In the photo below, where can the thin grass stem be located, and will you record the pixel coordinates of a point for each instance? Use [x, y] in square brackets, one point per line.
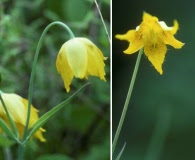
[127, 101]
[102, 19]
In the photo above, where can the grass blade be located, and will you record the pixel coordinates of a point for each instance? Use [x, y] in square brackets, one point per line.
[121, 152]
[43, 119]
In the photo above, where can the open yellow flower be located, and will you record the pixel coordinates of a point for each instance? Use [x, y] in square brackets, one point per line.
[79, 57]
[17, 108]
[153, 35]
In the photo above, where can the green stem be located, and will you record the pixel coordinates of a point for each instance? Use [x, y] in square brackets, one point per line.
[127, 100]
[21, 151]
[13, 126]
[34, 67]
[102, 19]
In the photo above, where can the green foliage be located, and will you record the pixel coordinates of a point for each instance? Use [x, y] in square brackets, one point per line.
[54, 156]
[78, 127]
[6, 129]
[99, 151]
[5, 142]
[44, 118]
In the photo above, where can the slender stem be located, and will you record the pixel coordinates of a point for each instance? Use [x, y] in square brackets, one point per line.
[13, 126]
[20, 151]
[127, 100]
[102, 20]
[34, 67]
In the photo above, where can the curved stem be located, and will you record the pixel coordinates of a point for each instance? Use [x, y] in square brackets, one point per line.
[34, 67]
[127, 100]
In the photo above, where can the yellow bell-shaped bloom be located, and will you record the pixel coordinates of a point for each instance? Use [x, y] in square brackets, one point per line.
[79, 57]
[153, 35]
[17, 108]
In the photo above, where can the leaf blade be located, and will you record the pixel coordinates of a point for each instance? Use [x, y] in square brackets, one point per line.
[43, 119]
[6, 129]
[121, 152]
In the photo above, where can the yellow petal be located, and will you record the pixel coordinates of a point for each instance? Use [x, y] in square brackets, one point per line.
[17, 108]
[148, 17]
[169, 39]
[33, 113]
[76, 53]
[20, 129]
[95, 66]
[33, 118]
[174, 28]
[171, 30]
[63, 68]
[129, 36]
[156, 54]
[137, 44]
[38, 134]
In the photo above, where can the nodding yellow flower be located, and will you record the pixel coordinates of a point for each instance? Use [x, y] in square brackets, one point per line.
[153, 35]
[79, 57]
[17, 108]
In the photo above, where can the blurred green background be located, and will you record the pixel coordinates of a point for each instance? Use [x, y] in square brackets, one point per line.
[160, 121]
[81, 130]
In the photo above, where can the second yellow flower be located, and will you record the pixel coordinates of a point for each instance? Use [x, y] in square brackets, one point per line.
[153, 35]
[79, 57]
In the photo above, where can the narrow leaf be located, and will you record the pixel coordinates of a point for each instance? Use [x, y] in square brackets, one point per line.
[5, 142]
[6, 129]
[121, 152]
[43, 119]
[13, 126]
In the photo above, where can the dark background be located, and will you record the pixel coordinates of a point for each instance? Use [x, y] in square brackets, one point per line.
[160, 121]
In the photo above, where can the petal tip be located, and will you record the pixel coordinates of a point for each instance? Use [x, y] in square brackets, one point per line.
[160, 71]
[103, 78]
[67, 89]
[125, 52]
[42, 140]
[119, 36]
[180, 45]
[128, 51]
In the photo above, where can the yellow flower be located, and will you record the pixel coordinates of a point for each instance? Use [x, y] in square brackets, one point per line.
[79, 57]
[153, 35]
[17, 108]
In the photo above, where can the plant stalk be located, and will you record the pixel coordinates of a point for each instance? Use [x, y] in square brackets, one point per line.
[127, 100]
